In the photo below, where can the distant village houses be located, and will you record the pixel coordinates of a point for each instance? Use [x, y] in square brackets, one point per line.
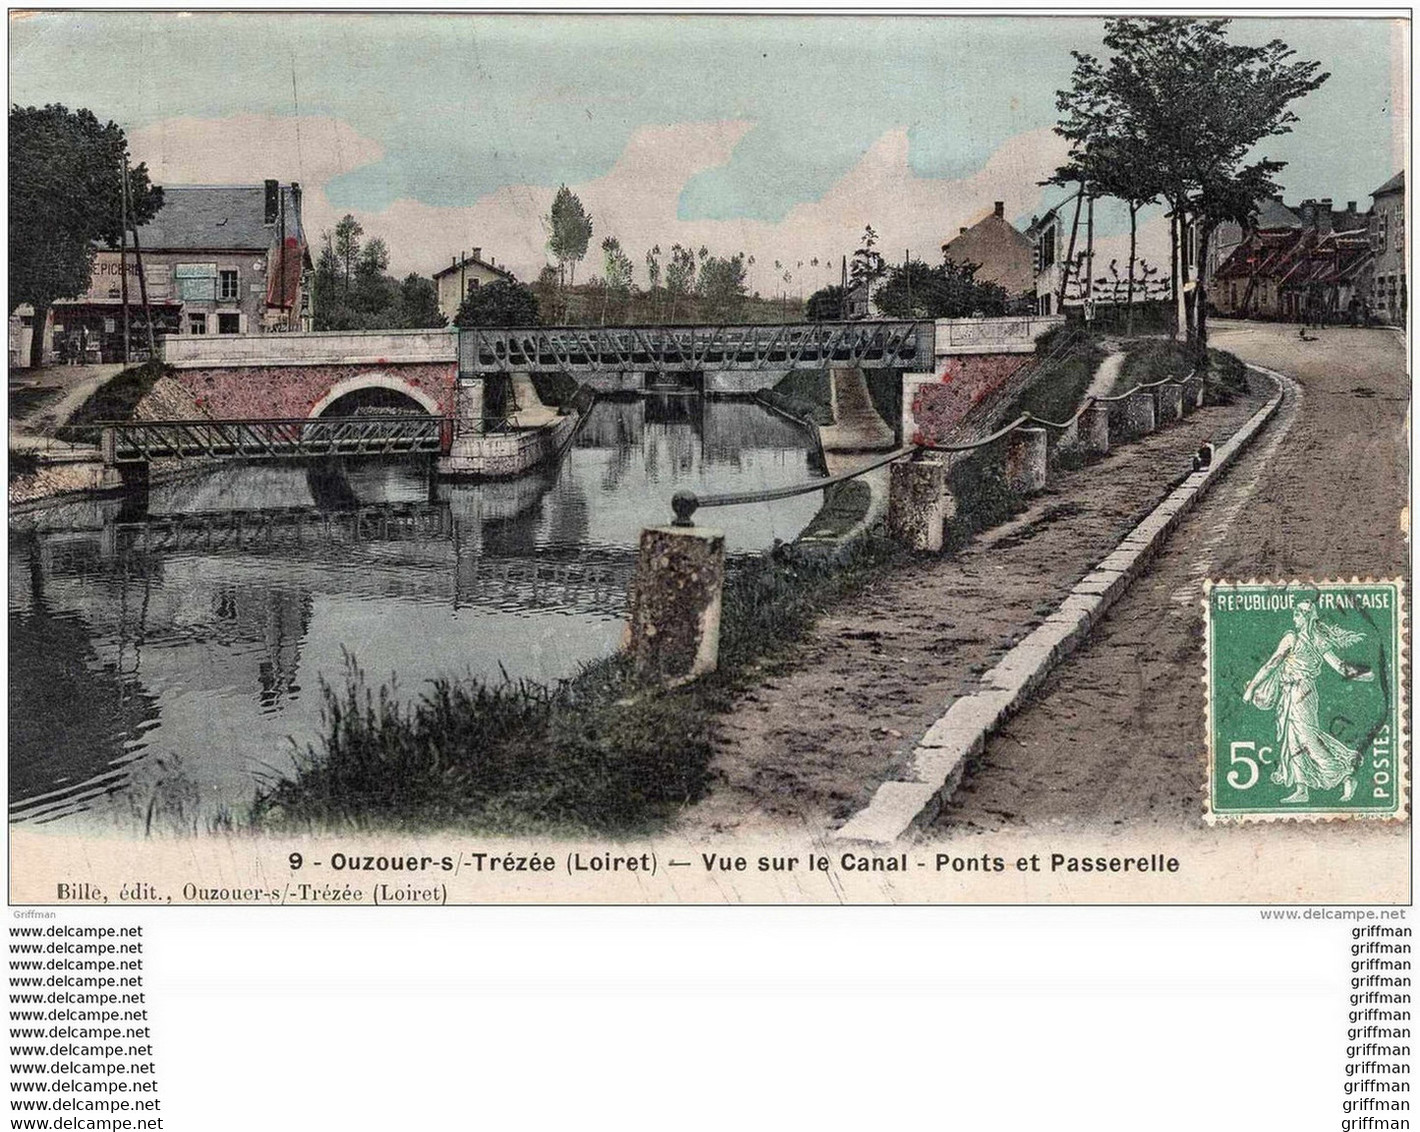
[1315, 262]
[217, 259]
[465, 273]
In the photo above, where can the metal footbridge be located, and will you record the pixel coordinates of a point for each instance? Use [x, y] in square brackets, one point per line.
[690, 349]
[137, 442]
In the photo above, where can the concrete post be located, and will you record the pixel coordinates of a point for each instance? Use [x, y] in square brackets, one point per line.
[108, 445]
[468, 427]
[919, 503]
[1095, 429]
[1026, 450]
[1139, 414]
[673, 632]
[1168, 403]
[1192, 394]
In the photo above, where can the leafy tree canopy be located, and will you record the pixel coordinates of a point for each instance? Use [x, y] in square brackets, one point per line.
[503, 303]
[66, 190]
[825, 305]
[949, 290]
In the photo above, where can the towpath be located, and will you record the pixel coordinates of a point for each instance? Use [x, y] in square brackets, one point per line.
[808, 746]
[1114, 737]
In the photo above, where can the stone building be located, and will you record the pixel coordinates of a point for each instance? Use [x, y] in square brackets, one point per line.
[1005, 255]
[217, 259]
[1389, 296]
[464, 273]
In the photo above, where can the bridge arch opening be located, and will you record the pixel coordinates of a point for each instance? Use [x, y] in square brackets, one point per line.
[374, 393]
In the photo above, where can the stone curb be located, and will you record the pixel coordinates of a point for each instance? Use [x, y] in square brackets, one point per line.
[943, 752]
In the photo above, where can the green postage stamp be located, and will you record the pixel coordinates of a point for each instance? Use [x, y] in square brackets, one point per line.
[1305, 700]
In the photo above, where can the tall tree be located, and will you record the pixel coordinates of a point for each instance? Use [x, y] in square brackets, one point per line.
[569, 227]
[66, 181]
[617, 273]
[867, 265]
[680, 275]
[1195, 105]
[723, 285]
[347, 249]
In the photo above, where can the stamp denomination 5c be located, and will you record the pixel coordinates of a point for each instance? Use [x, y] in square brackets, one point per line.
[1305, 709]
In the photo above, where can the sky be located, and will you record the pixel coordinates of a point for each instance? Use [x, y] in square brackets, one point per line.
[781, 137]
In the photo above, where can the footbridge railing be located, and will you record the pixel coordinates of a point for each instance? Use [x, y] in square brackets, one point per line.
[577, 349]
[135, 442]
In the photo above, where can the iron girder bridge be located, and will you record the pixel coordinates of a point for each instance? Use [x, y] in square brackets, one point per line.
[689, 349]
[137, 442]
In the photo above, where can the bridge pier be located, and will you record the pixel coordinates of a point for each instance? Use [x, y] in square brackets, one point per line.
[919, 503]
[464, 453]
[673, 631]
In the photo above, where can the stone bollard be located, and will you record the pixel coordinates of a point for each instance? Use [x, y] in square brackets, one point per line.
[1096, 429]
[919, 503]
[1168, 403]
[1192, 394]
[673, 631]
[1139, 414]
[1026, 450]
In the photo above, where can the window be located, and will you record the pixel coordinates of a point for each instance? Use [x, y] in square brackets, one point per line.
[197, 324]
[1381, 231]
[1400, 233]
[472, 285]
[229, 323]
[228, 286]
[197, 282]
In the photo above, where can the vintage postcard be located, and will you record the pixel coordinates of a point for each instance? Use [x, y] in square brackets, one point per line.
[467, 458]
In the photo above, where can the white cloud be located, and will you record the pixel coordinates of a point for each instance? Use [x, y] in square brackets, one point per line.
[636, 200]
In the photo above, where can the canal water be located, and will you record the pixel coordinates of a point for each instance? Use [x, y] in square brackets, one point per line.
[167, 653]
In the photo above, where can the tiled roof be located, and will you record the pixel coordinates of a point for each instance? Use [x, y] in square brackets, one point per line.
[1395, 185]
[473, 261]
[217, 216]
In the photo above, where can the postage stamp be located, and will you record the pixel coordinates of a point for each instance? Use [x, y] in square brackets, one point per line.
[1305, 711]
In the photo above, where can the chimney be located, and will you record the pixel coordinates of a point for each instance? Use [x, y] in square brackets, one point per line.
[1001, 209]
[1350, 206]
[962, 232]
[1323, 217]
[477, 253]
[273, 189]
[296, 195]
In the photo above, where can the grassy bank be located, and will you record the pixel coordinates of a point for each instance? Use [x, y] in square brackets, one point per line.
[1153, 359]
[1060, 387]
[115, 400]
[596, 754]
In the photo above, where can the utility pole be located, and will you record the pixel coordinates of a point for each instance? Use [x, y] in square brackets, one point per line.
[1070, 253]
[1090, 255]
[123, 249]
[142, 279]
[907, 260]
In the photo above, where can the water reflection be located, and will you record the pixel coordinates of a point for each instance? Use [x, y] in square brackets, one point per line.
[166, 651]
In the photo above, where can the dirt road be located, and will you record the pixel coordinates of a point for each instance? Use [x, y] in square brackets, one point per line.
[1115, 736]
[808, 747]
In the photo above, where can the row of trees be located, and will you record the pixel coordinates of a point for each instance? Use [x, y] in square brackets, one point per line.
[352, 292]
[1174, 116]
